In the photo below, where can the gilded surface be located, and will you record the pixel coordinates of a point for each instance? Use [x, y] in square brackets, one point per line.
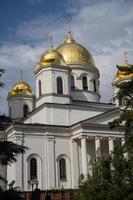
[69, 53]
[21, 88]
[123, 74]
[49, 58]
[52, 56]
[75, 53]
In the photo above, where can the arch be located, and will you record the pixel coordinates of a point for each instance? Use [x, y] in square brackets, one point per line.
[10, 111]
[94, 85]
[25, 110]
[40, 88]
[59, 85]
[62, 168]
[72, 83]
[84, 82]
[33, 169]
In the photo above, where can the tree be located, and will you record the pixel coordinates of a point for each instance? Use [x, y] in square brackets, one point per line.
[112, 177]
[8, 155]
[9, 152]
[2, 71]
[126, 117]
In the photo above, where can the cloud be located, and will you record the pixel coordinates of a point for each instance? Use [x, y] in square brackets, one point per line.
[105, 28]
[13, 58]
[38, 30]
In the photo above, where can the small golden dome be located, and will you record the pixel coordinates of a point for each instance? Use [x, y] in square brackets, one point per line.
[49, 58]
[52, 56]
[125, 74]
[20, 88]
[75, 54]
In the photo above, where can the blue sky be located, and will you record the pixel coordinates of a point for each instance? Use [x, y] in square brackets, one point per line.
[14, 12]
[104, 27]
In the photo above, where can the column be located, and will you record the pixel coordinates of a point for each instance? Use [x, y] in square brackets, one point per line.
[123, 142]
[111, 144]
[97, 146]
[84, 156]
[51, 163]
[74, 164]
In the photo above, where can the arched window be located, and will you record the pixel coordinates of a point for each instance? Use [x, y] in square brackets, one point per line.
[33, 169]
[10, 111]
[62, 167]
[72, 83]
[59, 86]
[94, 84]
[85, 86]
[40, 88]
[25, 110]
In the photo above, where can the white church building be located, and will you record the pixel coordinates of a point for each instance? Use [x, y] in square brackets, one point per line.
[64, 124]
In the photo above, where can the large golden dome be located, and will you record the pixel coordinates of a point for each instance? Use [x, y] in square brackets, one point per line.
[20, 88]
[48, 58]
[75, 54]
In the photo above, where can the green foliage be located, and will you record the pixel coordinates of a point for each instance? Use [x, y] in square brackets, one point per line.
[126, 117]
[10, 195]
[9, 152]
[112, 178]
[8, 155]
[127, 69]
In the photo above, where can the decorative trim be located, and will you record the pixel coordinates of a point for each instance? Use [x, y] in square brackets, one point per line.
[52, 94]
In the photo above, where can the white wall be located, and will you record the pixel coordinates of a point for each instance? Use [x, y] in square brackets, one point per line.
[16, 103]
[48, 77]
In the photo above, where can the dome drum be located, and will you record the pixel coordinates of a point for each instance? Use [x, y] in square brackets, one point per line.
[50, 58]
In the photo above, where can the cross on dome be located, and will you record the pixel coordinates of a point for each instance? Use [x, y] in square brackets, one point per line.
[126, 58]
[51, 42]
[21, 74]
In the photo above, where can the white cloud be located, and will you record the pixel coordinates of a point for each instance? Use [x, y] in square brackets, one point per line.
[39, 30]
[14, 58]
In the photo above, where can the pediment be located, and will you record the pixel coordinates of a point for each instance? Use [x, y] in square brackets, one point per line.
[105, 117]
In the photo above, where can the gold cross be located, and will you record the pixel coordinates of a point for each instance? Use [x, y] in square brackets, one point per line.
[69, 24]
[126, 58]
[51, 41]
[21, 74]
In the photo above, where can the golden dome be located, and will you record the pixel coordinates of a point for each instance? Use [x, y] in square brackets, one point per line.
[52, 56]
[49, 58]
[75, 54]
[123, 74]
[20, 88]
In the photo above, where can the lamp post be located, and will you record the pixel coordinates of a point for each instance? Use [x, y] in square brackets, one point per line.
[32, 183]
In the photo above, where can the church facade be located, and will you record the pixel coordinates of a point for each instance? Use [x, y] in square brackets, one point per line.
[64, 125]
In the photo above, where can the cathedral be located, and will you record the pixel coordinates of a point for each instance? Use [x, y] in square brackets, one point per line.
[64, 124]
